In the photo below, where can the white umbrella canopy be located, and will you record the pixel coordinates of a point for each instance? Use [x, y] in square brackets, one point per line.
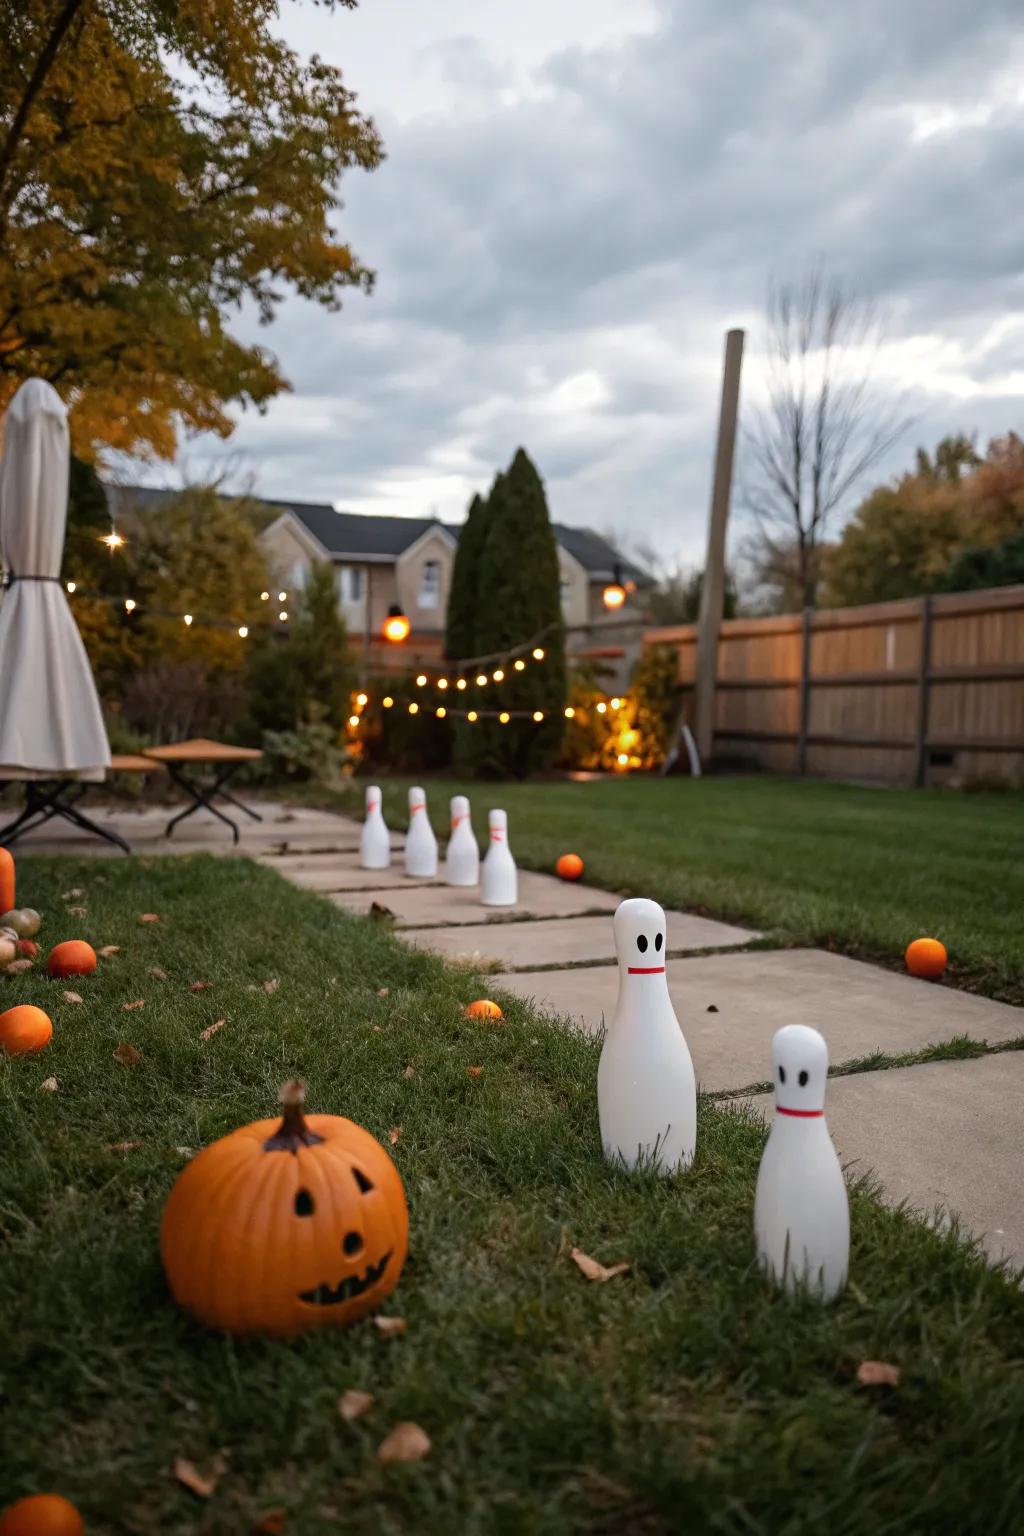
[51, 726]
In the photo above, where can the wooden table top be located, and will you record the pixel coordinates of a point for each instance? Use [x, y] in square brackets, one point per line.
[203, 751]
[131, 762]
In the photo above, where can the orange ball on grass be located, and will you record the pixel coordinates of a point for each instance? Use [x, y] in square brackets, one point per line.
[42, 1514]
[483, 1008]
[24, 1030]
[569, 866]
[72, 958]
[926, 957]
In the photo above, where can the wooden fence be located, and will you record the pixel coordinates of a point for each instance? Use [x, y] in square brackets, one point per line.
[922, 691]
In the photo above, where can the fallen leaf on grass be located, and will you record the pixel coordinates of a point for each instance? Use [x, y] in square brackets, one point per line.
[878, 1373]
[127, 1055]
[383, 991]
[131, 1007]
[78, 912]
[211, 1029]
[157, 974]
[109, 949]
[195, 1481]
[389, 1327]
[72, 997]
[395, 1135]
[406, 1442]
[70, 895]
[200, 986]
[381, 914]
[475, 1071]
[186, 1152]
[410, 1071]
[18, 967]
[124, 1146]
[271, 1524]
[353, 1403]
[595, 1271]
[49, 1085]
[271, 986]
[149, 917]
[376, 1030]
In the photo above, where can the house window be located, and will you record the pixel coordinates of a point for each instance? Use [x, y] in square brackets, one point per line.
[300, 574]
[430, 584]
[351, 584]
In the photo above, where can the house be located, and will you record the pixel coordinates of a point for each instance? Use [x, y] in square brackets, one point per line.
[407, 562]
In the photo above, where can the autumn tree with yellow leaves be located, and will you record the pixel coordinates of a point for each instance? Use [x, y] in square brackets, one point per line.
[161, 165]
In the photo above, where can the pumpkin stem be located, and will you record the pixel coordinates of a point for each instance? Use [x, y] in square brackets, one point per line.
[293, 1132]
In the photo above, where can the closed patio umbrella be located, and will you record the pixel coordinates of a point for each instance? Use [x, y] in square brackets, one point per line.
[51, 726]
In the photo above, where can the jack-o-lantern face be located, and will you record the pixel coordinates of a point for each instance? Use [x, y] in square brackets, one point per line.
[286, 1225]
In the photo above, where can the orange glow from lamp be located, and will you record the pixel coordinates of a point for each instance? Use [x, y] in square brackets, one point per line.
[614, 594]
[396, 625]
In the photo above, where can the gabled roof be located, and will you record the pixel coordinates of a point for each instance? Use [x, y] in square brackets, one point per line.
[597, 556]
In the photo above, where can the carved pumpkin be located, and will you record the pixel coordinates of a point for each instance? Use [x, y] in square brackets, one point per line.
[24, 1030]
[41, 1514]
[6, 880]
[285, 1226]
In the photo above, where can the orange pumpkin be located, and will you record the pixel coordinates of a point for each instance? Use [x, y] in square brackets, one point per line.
[24, 1030]
[42, 1514]
[6, 880]
[569, 866]
[483, 1008]
[926, 957]
[72, 958]
[278, 1228]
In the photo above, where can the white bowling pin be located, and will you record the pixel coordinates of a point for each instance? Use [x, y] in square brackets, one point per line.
[420, 842]
[499, 876]
[801, 1210]
[646, 1090]
[374, 844]
[462, 860]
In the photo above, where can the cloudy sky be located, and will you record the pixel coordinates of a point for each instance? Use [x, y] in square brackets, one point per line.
[581, 196]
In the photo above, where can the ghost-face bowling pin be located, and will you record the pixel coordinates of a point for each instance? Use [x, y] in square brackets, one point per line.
[801, 1210]
[646, 1090]
[499, 875]
[374, 843]
[462, 860]
[420, 842]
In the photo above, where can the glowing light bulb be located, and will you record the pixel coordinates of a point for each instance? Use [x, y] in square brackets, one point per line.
[570, 713]
[129, 605]
[283, 616]
[440, 712]
[538, 653]
[421, 681]
[504, 717]
[461, 683]
[520, 665]
[188, 618]
[442, 683]
[396, 625]
[602, 707]
[623, 759]
[387, 701]
[112, 540]
[243, 630]
[498, 675]
[538, 715]
[481, 679]
[71, 586]
[362, 700]
[264, 597]
[414, 708]
[472, 717]
[353, 720]
[282, 597]
[616, 703]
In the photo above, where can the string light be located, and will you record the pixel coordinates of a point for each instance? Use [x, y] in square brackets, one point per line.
[264, 597]
[616, 703]
[570, 713]
[129, 605]
[362, 700]
[353, 720]
[188, 618]
[520, 664]
[282, 597]
[387, 701]
[538, 653]
[243, 631]
[414, 708]
[71, 586]
[472, 717]
[498, 675]
[442, 682]
[283, 616]
[112, 540]
[461, 683]
[538, 715]
[481, 679]
[504, 717]
[623, 759]
[421, 681]
[440, 712]
[602, 707]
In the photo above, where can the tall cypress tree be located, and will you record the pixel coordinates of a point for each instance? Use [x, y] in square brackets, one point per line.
[519, 597]
[460, 631]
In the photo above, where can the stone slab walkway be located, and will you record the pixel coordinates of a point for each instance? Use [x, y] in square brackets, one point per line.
[947, 1133]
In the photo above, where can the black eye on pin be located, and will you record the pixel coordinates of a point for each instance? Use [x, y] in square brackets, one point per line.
[782, 1074]
[658, 941]
[802, 1079]
[641, 943]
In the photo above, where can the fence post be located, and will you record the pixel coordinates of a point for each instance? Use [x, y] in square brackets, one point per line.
[805, 691]
[923, 683]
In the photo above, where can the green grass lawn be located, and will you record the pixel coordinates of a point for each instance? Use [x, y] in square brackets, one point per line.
[682, 1396]
[861, 870]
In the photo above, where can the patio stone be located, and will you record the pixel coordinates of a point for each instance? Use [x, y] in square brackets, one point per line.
[330, 875]
[562, 940]
[858, 1008]
[539, 896]
[947, 1133]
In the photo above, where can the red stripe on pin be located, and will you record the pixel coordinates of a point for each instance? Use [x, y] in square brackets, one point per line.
[497, 837]
[646, 970]
[414, 808]
[799, 1114]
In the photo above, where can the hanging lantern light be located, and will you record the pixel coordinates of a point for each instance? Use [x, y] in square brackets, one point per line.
[129, 605]
[396, 625]
[614, 594]
[112, 540]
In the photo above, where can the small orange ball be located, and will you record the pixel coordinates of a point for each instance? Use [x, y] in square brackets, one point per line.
[23, 1031]
[27, 950]
[42, 1514]
[72, 958]
[569, 866]
[483, 1008]
[926, 957]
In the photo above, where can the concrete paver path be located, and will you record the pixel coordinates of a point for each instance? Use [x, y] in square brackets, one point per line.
[564, 941]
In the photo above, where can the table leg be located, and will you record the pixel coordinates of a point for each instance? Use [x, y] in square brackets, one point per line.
[200, 797]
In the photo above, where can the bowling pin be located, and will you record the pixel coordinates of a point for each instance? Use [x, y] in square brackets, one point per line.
[462, 860]
[420, 842]
[499, 877]
[646, 1090]
[801, 1211]
[374, 844]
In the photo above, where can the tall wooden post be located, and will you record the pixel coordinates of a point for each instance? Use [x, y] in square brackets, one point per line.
[713, 589]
